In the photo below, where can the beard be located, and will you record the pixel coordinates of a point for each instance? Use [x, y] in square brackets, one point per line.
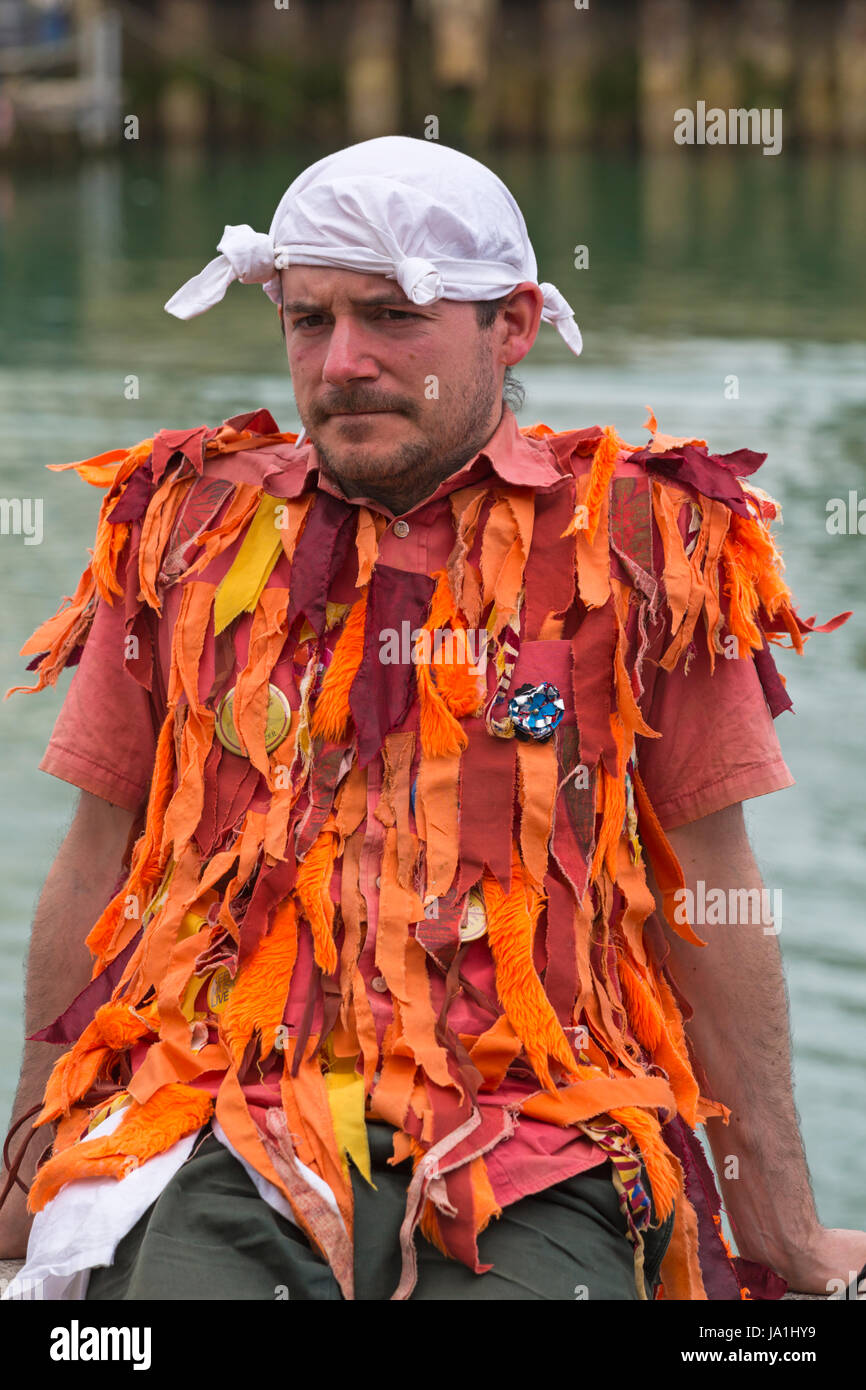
[403, 476]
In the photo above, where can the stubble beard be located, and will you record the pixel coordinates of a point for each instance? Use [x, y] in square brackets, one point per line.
[404, 477]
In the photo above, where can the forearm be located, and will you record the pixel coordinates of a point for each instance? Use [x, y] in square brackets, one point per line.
[59, 963]
[740, 1035]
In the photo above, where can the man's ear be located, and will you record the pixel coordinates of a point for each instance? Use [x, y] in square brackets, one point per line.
[520, 317]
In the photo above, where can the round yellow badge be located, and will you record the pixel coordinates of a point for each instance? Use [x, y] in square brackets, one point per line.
[277, 725]
[219, 990]
[476, 917]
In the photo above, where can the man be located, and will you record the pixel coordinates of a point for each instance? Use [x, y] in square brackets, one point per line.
[379, 733]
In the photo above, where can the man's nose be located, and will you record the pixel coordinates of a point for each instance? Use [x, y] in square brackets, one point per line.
[349, 356]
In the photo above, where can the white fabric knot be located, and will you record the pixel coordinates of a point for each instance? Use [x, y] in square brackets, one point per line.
[282, 258]
[246, 255]
[419, 280]
[251, 254]
[559, 312]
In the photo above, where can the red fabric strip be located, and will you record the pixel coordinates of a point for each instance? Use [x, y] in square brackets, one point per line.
[488, 777]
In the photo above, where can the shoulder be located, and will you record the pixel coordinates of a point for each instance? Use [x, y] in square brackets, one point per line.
[158, 497]
[684, 463]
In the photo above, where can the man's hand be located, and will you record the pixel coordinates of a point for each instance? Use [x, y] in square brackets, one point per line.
[741, 1039]
[78, 886]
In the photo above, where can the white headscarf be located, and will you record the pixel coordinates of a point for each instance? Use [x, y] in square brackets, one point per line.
[438, 222]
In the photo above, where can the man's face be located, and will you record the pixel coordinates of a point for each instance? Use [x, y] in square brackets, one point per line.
[395, 396]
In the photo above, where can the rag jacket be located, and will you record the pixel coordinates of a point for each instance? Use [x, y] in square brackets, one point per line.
[272, 905]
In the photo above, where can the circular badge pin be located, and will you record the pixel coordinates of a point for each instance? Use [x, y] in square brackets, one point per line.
[219, 990]
[277, 725]
[476, 917]
[536, 711]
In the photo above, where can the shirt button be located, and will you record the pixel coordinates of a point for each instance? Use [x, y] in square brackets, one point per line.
[379, 984]
[401, 529]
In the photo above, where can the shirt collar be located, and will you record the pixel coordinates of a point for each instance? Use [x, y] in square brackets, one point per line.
[509, 455]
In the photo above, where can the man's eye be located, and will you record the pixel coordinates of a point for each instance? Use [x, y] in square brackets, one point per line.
[390, 315]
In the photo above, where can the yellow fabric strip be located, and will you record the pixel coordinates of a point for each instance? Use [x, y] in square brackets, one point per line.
[347, 1103]
[262, 545]
[191, 924]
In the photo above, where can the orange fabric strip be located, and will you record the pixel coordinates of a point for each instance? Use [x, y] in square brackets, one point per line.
[261, 987]
[252, 693]
[156, 529]
[305, 1097]
[595, 1095]
[351, 802]
[367, 543]
[494, 1052]
[293, 521]
[592, 554]
[677, 573]
[397, 754]
[538, 776]
[436, 807]
[665, 865]
[680, 1268]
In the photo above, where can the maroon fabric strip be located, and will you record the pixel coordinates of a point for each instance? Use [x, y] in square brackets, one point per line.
[259, 421]
[549, 574]
[487, 779]
[593, 647]
[274, 883]
[718, 1271]
[136, 496]
[574, 823]
[741, 461]
[382, 695]
[327, 760]
[312, 1009]
[440, 935]
[560, 977]
[705, 473]
[775, 693]
[809, 625]
[136, 616]
[320, 555]
[242, 781]
[206, 830]
[763, 1283]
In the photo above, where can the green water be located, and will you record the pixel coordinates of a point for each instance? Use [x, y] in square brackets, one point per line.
[705, 266]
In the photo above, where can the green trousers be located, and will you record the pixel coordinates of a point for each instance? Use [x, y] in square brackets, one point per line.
[209, 1235]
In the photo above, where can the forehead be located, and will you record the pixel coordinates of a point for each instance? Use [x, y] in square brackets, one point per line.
[325, 285]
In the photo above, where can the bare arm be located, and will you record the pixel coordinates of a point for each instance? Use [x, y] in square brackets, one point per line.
[59, 964]
[741, 1036]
